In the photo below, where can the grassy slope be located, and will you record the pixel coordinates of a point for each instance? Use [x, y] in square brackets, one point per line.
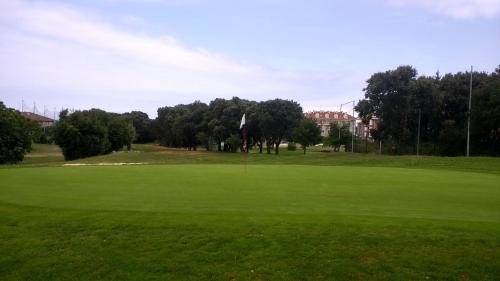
[262, 222]
[44, 155]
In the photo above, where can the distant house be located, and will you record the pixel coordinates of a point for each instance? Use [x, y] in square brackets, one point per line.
[365, 130]
[40, 119]
[325, 118]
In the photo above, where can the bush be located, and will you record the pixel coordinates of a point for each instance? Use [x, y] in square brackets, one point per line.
[16, 135]
[91, 132]
[291, 146]
[233, 142]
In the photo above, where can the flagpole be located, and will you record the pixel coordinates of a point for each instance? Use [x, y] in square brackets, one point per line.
[243, 127]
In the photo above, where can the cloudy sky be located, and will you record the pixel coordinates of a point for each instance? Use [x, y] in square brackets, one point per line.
[122, 55]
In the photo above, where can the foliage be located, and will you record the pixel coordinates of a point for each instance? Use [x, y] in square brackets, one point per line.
[196, 124]
[233, 143]
[144, 131]
[224, 118]
[180, 125]
[277, 120]
[16, 135]
[401, 101]
[91, 132]
[291, 146]
[338, 136]
[120, 133]
[307, 133]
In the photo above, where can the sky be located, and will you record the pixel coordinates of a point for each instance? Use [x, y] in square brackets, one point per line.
[123, 55]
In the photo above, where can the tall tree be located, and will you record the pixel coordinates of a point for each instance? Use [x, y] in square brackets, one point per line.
[142, 124]
[278, 119]
[307, 133]
[16, 135]
[87, 133]
[224, 118]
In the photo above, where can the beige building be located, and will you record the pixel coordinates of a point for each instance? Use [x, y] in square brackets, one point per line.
[40, 119]
[364, 130]
[325, 118]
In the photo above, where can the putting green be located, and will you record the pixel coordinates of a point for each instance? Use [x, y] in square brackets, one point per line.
[259, 189]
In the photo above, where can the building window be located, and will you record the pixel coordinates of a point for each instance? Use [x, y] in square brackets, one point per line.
[327, 115]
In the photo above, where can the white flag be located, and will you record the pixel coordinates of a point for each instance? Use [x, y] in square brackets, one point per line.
[242, 121]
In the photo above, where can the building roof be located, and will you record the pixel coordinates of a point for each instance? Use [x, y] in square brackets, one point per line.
[36, 117]
[329, 115]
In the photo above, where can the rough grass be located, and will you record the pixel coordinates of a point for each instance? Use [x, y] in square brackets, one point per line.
[334, 217]
[44, 155]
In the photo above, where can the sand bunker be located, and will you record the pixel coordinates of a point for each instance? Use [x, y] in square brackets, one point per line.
[100, 164]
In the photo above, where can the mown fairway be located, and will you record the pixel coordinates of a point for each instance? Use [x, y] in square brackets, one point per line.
[259, 222]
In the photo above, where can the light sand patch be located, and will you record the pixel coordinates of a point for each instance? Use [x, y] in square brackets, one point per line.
[100, 164]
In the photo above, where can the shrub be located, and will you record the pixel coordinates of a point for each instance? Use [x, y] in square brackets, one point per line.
[91, 132]
[233, 142]
[16, 135]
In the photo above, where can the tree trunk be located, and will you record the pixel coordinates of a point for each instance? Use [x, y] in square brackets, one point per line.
[277, 148]
[366, 143]
[305, 150]
[260, 147]
[219, 146]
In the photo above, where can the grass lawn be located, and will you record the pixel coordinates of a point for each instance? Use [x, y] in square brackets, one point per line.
[334, 217]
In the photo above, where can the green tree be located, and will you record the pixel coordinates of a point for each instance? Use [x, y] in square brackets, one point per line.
[142, 124]
[16, 135]
[120, 133]
[338, 136]
[278, 119]
[390, 95]
[91, 132]
[223, 118]
[233, 142]
[180, 126]
[307, 133]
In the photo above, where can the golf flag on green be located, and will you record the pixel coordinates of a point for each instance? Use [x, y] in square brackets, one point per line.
[243, 121]
[243, 127]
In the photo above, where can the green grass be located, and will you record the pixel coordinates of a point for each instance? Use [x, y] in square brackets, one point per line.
[49, 155]
[332, 219]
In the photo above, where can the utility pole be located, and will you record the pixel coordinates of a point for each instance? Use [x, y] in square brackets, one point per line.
[418, 131]
[468, 115]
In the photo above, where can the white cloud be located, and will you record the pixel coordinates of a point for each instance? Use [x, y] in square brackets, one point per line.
[66, 54]
[459, 9]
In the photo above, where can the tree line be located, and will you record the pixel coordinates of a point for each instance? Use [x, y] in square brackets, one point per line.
[428, 113]
[432, 112]
[214, 126]
[218, 123]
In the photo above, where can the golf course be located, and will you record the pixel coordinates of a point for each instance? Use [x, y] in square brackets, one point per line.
[195, 215]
